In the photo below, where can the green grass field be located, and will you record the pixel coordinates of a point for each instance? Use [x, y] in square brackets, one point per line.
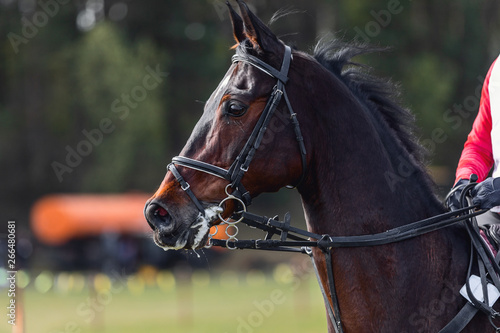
[159, 302]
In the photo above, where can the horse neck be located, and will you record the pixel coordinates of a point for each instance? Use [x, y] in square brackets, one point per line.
[361, 180]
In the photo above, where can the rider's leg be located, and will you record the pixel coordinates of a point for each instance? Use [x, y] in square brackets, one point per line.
[488, 218]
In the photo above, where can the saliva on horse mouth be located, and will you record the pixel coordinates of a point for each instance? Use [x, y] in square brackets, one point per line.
[196, 236]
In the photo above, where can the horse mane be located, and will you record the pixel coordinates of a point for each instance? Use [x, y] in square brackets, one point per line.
[380, 96]
[377, 94]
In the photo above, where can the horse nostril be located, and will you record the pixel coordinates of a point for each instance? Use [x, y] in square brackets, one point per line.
[161, 211]
[156, 216]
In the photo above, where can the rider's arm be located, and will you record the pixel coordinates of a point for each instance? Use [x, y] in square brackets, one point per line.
[477, 155]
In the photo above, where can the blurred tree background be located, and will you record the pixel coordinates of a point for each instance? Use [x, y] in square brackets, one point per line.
[97, 96]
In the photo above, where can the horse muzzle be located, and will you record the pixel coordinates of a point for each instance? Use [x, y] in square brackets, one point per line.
[170, 234]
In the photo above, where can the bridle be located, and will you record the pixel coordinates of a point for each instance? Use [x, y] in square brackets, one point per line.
[241, 164]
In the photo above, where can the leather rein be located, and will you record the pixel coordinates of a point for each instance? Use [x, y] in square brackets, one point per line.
[293, 239]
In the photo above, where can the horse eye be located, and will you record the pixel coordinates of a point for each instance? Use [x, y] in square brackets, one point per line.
[236, 109]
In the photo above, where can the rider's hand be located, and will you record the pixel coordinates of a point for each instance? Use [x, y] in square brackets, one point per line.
[453, 198]
[487, 193]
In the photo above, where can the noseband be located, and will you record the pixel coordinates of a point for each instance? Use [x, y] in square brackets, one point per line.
[241, 164]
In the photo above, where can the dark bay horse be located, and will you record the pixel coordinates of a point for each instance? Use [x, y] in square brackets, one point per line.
[358, 171]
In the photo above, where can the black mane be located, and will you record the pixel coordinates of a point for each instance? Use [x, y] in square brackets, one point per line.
[378, 94]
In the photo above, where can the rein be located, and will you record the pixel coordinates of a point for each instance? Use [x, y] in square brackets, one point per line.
[293, 239]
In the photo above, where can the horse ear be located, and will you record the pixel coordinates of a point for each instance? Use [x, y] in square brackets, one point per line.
[237, 23]
[262, 38]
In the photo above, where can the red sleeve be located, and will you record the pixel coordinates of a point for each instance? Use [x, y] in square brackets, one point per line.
[477, 155]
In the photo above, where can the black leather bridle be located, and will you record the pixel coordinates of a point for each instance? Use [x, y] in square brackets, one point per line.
[241, 164]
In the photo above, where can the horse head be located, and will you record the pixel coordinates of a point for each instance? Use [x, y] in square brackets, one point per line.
[244, 144]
